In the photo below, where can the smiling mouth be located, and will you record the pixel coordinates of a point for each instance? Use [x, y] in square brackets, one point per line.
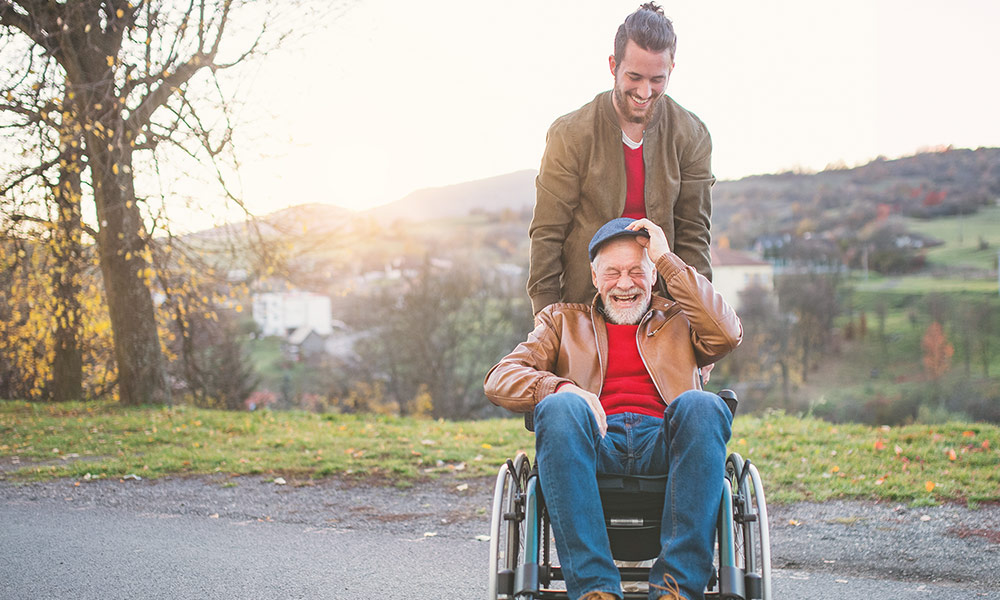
[625, 299]
[638, 102]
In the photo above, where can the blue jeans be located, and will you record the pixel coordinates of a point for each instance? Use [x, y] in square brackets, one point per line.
[688, 444]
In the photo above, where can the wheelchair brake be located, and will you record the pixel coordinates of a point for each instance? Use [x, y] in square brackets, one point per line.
[750, 516]
[518, 512]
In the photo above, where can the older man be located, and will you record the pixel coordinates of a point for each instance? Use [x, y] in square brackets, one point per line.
[614, 389]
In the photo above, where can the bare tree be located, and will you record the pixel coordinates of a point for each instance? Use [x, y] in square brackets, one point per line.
[118, 79]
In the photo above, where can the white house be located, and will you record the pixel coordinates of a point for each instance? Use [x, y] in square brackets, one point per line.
[281, 313]
[734, 271]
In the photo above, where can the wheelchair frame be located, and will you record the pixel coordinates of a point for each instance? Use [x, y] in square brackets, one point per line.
[521, 565]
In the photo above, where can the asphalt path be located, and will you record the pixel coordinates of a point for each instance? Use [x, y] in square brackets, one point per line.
[193, 539]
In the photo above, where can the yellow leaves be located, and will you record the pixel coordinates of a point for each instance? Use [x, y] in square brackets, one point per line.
[114, 169]
[486, 446]
[951, 454]
[929, 486]
[111, 60]
[119, 13]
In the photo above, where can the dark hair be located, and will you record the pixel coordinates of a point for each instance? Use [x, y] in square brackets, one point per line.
[649, 28]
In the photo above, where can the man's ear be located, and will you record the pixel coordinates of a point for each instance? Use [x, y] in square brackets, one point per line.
[593, 275]
[613, 65]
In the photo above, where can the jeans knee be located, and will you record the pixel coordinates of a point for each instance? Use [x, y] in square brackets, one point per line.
[701, 408]
[560, 407]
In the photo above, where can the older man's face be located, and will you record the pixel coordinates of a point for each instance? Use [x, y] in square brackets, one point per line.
[624, 276]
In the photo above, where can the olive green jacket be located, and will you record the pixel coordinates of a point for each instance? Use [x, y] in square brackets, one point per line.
[581, 186]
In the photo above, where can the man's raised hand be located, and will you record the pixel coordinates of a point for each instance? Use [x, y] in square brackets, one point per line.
[656, 246]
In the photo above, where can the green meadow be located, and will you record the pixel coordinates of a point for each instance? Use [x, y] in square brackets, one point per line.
[799, 458]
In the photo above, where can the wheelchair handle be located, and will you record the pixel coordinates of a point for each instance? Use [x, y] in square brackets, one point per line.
[729, 397]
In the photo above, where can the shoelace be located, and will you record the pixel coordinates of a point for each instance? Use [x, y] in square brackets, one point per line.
[672, 589]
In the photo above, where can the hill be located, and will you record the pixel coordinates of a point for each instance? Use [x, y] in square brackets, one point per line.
[512, 191]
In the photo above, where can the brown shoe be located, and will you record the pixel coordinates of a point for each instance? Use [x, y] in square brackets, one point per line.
[598, 596]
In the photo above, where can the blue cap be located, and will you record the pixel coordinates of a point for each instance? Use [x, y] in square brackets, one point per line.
[614, 228]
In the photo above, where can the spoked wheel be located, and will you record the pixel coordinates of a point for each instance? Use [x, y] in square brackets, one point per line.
[507, 526]
[751, 534]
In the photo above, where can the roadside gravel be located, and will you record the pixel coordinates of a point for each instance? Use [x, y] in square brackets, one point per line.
[948, 543]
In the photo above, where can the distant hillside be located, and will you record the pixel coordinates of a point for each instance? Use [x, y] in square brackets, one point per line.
[303, 219]
[513, 191]
[924, 185]
[835, 204]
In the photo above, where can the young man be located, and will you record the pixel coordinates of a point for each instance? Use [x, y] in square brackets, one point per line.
[631, 152]
[614, 389]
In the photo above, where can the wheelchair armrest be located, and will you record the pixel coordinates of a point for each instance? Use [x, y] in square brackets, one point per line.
[529, 421]
[729, 397]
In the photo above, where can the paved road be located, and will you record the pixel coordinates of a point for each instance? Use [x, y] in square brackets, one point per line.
[53, 551]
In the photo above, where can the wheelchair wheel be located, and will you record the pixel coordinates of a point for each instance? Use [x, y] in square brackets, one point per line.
[507, 526]
[751, 534]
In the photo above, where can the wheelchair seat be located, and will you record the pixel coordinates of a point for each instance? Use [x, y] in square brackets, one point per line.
[633, 508]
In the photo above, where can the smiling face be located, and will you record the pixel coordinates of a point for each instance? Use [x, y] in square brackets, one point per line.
[623, 276]
[640, 79]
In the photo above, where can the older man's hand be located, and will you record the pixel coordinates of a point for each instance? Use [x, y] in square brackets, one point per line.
[656, 246]
[593, 401]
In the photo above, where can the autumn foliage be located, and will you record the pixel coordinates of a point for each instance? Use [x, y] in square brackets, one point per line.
[937, 352]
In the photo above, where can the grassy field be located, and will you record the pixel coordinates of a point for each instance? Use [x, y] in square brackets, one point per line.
[800, 459]
[923, 284]
[962, 236]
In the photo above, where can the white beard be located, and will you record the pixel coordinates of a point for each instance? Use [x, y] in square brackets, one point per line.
[628, 316]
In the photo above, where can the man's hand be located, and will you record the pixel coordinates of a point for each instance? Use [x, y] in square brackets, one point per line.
[593, 401]
[706, 372]
[656, 246]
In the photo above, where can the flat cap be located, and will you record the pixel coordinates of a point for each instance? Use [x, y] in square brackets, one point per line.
[615, 228]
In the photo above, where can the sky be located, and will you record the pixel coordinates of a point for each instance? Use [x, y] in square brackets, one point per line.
[387, 97]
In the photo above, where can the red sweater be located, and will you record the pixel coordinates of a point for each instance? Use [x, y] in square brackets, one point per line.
[627, 385]
[635, 186]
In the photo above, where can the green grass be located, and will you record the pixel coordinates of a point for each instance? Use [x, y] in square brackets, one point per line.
[924, 284]
[961, 236]
[800, 459]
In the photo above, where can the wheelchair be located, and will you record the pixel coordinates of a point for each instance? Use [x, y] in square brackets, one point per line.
[522, 566]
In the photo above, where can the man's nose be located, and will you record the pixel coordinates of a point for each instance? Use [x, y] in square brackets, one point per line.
[645, 90]
[624, 281]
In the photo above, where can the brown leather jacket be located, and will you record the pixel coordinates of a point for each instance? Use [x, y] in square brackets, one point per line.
[570, 343]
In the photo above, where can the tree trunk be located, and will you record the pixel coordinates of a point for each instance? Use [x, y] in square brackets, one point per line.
[67, 364]
[142, 377]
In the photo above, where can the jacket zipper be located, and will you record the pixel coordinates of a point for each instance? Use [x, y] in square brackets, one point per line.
[600, 359]
[673, 310]
[666, 317]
